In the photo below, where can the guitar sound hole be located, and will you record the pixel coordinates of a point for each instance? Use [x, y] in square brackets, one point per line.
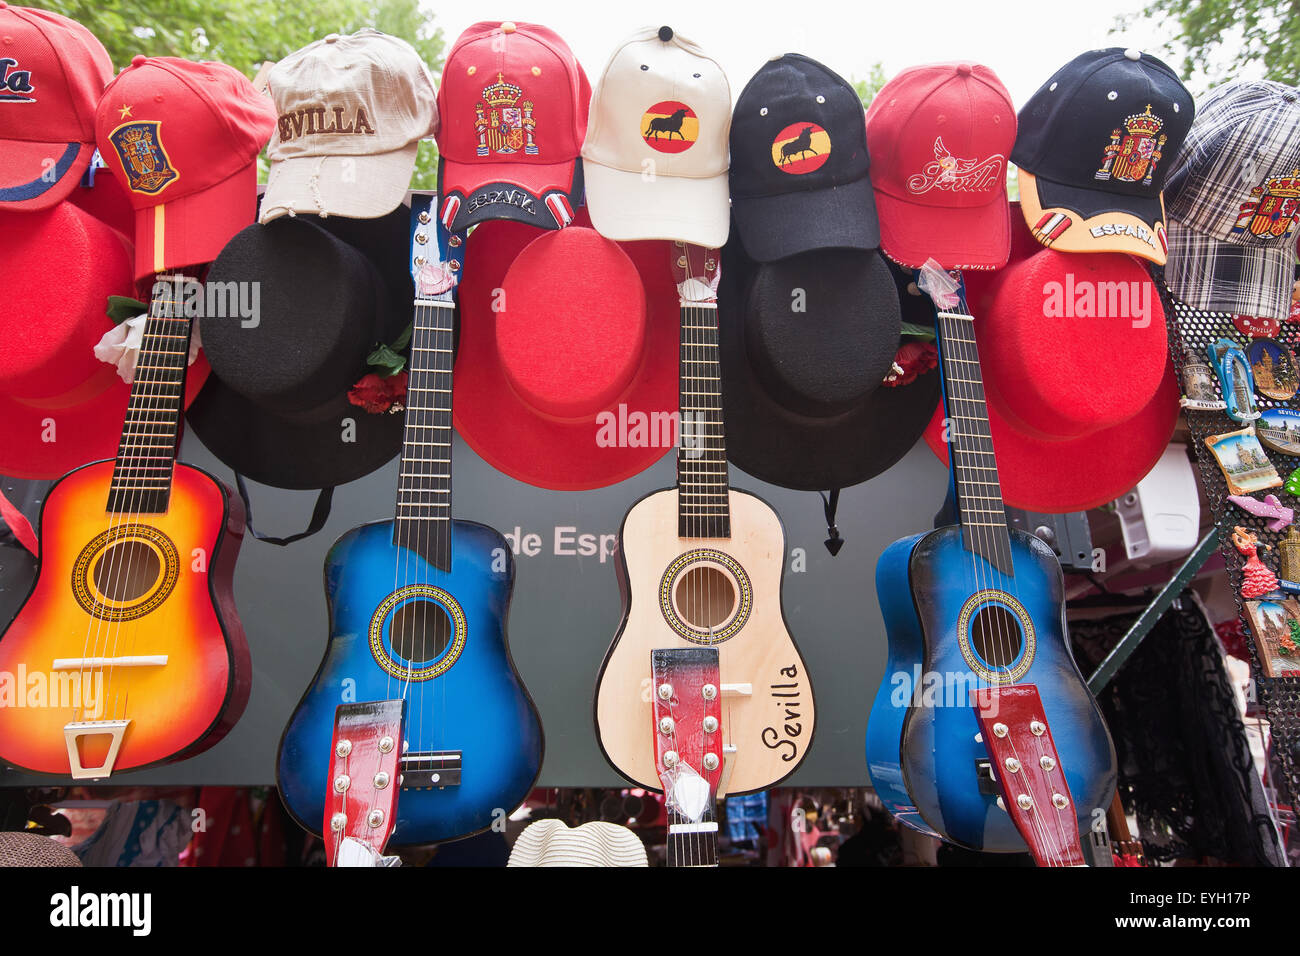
[420, 631]
[705, 597]
[995, 636]
[127, 571]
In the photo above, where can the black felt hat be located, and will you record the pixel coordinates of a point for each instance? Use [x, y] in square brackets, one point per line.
[276, 408]
[799, 164]
[803, 392]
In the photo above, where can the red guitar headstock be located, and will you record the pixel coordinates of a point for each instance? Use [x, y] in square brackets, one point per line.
[1028, 772]
[696, 272]
[687, 696]
[361, 805]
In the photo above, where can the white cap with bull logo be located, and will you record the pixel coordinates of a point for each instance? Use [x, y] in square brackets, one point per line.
[655, 157]
[352, 111]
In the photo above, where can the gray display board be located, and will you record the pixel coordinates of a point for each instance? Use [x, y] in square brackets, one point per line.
[566, 606]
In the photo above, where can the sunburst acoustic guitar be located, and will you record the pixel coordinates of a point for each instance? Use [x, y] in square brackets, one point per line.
[701, 565]
[130, 627]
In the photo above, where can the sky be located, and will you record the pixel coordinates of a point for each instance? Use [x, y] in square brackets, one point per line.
[1024, 43]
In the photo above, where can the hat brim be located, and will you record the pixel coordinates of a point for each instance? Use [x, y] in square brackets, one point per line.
[774, 227]
[1075, 219]
[957, 237]
[88, 430]
[28, 181]
[540, 195]
[193, 229]
[359, 187]
[1058, 477]
[1216, 275]
[783, 447]
[627, 206]
[515, 438]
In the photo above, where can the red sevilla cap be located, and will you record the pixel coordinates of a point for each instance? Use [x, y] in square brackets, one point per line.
[184, 138]
[939, 137]
[513, 107]
[52, 71]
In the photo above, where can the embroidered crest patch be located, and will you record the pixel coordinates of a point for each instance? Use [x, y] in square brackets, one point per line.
[951, 174]
[504, 121]
[145, 161]
[1271, 211]
[1135, 150]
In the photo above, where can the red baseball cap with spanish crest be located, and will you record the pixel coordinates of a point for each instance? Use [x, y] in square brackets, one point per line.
[513, 107]
[52, 71]
[184, 137]
[939, 137]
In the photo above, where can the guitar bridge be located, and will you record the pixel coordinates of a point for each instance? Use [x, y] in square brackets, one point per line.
[74, 732]
[429, 769]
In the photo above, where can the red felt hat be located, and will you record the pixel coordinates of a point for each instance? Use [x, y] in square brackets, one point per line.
[183, 136]
[939, 138]
[566, 376]
[513, 109]
[60, 406]
[1081, 395]
[52, 71]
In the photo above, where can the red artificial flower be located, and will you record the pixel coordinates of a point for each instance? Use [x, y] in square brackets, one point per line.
[913, 360]
[377, 394]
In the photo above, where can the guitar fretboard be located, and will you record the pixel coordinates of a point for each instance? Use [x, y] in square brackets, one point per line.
[423, 519]
[142, 472]
[703, 495]
[970, 445]
[698, 848]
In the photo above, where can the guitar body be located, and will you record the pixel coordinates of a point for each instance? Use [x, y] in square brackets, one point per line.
[673, 587]
[922, 751]
[176, 601]
[471, 700]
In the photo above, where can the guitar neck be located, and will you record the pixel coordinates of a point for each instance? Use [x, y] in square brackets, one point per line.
[692, 848]
[423, 519]
[978, 492]
[142, 472]
[703, 497]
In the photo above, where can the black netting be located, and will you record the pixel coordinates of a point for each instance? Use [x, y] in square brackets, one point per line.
[1192, 330]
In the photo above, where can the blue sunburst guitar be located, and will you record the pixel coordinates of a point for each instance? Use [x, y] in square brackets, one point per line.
[416, 723]
[983, 731]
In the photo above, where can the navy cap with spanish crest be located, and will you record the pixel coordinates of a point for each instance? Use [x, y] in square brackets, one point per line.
[1094, 146]
[799, 162]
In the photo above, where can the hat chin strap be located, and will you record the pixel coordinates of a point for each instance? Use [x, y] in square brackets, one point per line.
[18, 524]
[319, 515]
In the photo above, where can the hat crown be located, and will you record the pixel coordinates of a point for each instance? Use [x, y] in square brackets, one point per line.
[1106, 121]
[171, 128]
[940, 135]
[522, 68]
[57, 67]
[363, 93]
[662, 103]
[797, 126]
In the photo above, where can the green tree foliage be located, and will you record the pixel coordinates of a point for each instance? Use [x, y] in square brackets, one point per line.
[869, 87]
[245, 33]
[1223, 39]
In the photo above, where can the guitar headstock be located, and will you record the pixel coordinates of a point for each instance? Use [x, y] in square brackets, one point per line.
[437, 255]
[1028, 772]
[364, 778]
[696, 271]
[687, 705]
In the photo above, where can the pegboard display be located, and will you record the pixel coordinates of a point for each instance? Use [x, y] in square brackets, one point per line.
[1193, 331]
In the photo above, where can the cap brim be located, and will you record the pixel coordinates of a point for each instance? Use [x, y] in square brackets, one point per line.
[358, 187]
[193, 229]
[774, 227]
[1220, 276]
[1075, 219]
[544, 196]
[627, 206]
[38, 175]
[957, 237]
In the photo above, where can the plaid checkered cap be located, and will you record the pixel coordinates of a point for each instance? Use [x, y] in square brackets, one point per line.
[1233, 200]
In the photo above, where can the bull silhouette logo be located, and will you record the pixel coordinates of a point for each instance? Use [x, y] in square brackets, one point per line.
[670, 127]
[801, 148]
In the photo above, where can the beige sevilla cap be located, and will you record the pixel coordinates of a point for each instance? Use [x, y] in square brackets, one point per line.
[352, 111]
[655, 158]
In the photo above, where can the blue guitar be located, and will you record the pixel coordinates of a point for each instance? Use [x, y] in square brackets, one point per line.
[983, 731]
[416, 721]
